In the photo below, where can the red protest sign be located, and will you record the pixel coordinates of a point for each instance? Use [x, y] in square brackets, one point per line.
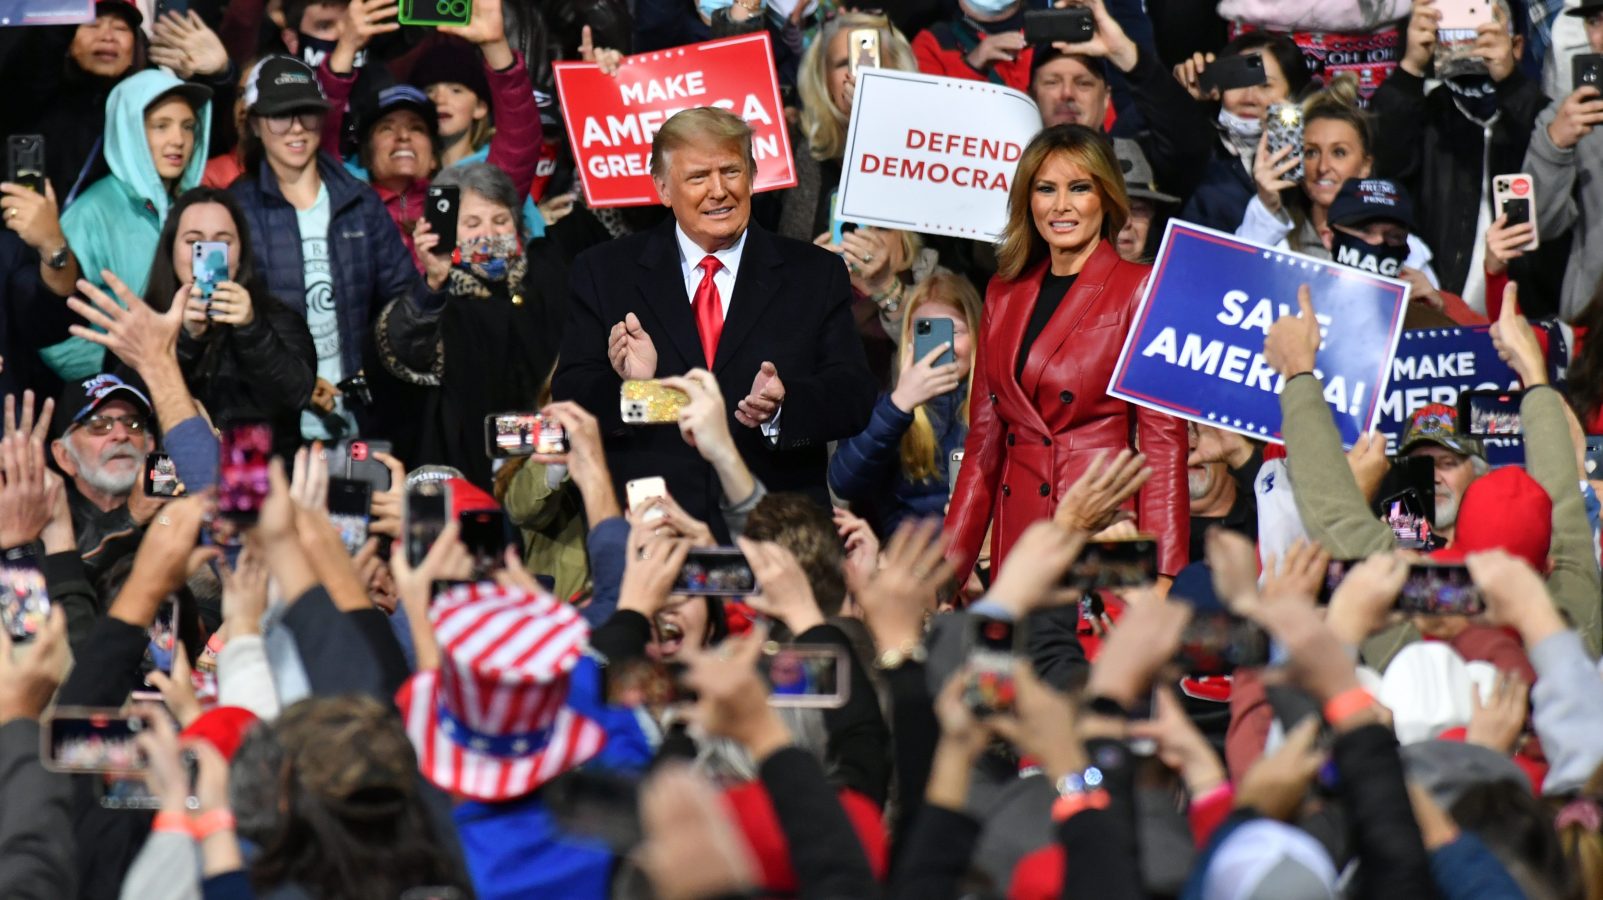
[611, 119]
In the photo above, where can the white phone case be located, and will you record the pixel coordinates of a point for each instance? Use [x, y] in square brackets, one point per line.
[1507, 188]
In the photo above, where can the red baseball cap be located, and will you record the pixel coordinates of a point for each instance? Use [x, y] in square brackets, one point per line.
[1503, 510]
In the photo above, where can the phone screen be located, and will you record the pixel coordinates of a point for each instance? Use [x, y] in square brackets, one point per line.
[523, 434]
[242, 486]
[1434, 589]
[989, 686]
[715, 572]
[24, 602]
[805, 675]
[25, 164]
[483, 533]
[425, 519]
[1220, 643]
[1114, 564]
[161, 476]
[1334, 573]
[1491, 413]
[1410, 523]
[1594, 457]
[93, 740]
[349, 507]
[163, 633]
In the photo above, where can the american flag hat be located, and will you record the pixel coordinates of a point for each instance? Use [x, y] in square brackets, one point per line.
[492, 723]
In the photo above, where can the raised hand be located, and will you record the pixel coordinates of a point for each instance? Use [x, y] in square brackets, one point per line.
[1093, 502]
[137, 334]
[186, 45]
[896, 596]
[1516, 342]
[921, 381]
[762, 404]
[1293, 341]
[629, 348]
[783, 591]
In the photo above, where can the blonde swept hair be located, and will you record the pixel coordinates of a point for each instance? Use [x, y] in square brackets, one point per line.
[822, 121]
[944, 288]
[1022, 245]
[1337, 101]
[688, 126]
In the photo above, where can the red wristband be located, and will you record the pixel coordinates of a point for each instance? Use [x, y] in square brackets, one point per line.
[172, 821]
[1346, 704]
[209, 823]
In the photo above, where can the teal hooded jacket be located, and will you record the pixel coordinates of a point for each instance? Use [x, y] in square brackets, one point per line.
[116, 223]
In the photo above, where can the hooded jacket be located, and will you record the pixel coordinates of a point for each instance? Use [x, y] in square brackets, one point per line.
[116, 223]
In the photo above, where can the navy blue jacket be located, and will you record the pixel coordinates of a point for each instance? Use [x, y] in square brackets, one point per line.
[371, 265]
[867, 467]
[1221, 198]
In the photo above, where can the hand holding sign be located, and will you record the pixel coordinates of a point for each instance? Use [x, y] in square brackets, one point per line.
[1516, 343]
[1293, 341]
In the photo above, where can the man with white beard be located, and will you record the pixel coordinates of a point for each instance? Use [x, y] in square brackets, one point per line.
[105, 431]
[1219, 473]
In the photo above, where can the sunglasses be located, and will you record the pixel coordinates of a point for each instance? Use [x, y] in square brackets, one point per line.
[103, 425]
[311, 120]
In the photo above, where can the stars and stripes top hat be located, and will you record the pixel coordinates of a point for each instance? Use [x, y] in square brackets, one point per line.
[492, 723]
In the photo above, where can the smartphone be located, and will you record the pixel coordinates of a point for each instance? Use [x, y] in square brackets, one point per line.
[864, 44]
[646, 682]
[838, 227]
[1463, 15]
[1435, 589]
[1594, 457]
[25, 164]
[954, 465]
[1219, 643]
[993, 647]
[161, 476]
[1114, 564]
[639, 490]
[1284, 126]
[247, 446]
[163, 634]
[484, 534]
[1334, 573]
[1587, 70]
[1406, 514]
[649, 403]
[439, 210]
[24, 602]
[425, 519]
[450, 13]
[1514, 196]
[1244, 70]
[523, 434]
[931, 333]
[209, 268]
[805, 675]
[353, 458]
[1414, 475]
[715, 572]
[124, 791]
[1491, 413]
[77, 739]
[1073, 25]
[350, 503]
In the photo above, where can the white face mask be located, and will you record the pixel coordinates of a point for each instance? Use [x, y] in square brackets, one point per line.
[1240, 129]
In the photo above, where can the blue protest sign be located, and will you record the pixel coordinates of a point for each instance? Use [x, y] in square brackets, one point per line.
[46, 12]
[1435, 365]
[1196, 348]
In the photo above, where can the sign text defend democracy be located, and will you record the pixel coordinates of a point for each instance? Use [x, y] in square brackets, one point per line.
[1001, 152]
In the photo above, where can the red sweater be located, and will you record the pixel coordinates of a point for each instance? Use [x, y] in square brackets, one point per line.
[939, 50]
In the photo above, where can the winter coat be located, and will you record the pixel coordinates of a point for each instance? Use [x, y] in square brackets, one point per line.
[867, 467]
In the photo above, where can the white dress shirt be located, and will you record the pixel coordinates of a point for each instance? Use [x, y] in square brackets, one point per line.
[690, 257]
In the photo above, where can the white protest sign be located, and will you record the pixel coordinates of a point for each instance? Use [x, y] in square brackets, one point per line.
[932, 154]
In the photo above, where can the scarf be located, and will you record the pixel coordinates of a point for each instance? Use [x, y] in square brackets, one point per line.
[480, 264]
[1241, 135]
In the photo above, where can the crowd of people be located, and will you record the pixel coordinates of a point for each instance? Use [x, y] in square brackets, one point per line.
[658, 551]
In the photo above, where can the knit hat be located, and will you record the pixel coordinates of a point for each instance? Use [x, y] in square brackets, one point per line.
[1503, 510]
[223, 727]
[451, 59]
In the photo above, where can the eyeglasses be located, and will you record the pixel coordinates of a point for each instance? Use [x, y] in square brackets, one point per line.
[102, 425]
[310, 120]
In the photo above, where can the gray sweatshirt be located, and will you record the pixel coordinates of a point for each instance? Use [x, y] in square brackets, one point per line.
[1564, 200]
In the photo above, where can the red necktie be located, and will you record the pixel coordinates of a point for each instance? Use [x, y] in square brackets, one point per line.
[709, 309]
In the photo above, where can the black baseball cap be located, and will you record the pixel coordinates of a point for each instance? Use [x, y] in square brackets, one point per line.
[283, 84]
[79, 399]
[1362, 200]
[1587, 8]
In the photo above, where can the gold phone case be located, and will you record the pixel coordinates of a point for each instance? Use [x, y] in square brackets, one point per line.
[649, 403]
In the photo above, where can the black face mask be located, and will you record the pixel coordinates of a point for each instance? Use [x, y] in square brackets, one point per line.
[1376, 259]
[315, 50]
[722, 26]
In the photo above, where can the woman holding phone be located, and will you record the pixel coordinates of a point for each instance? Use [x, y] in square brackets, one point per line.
[898, 466]
[243, 351]
[1056, 315]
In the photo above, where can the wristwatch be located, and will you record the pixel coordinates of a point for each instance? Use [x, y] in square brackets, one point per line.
[58, 259]
[910, 651]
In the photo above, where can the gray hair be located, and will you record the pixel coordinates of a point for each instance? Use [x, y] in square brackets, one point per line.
[487, 181]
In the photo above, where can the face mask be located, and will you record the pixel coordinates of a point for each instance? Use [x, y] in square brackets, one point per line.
[1238, 128]
[709, 7]
[990, 8]
[315, 50]
[1475, 93]
[1376, 259]
[724, 26]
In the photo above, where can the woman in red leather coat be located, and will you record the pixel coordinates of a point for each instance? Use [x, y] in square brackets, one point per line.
[1055, 318]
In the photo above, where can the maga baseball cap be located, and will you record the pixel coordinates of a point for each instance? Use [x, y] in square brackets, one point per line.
[283, 84]
[80, 399]
[1362, 200]
[1437, 423]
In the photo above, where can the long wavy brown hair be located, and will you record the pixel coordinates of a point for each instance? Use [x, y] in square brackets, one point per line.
[1022, 245]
